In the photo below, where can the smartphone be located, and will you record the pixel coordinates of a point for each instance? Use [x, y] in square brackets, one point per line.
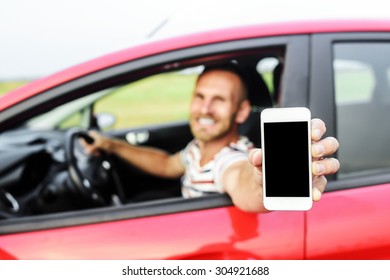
[286, 147]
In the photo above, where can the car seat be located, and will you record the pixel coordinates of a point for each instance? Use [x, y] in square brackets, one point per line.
[260, 98]
[276, 80]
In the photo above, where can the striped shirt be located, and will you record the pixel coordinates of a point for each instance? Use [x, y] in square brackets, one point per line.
[202, 180]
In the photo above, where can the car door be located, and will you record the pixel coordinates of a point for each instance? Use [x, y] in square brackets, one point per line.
[350, 90]
[220, 233]
[170, 228]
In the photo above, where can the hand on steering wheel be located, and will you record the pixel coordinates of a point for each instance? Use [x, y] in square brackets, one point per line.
[93, 182]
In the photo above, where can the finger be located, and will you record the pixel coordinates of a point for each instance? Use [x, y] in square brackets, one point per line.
[256, 157]
[325, 166]
[83, 143]
[318, 129]
[93, 134]
[319, 184]
[324, 147]
[90, 148]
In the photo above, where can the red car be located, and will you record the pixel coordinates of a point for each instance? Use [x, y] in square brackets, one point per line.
[58, 203]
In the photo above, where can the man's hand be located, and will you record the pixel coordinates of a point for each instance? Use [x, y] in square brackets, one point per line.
[321, 148]
[100, 143]
[320, 167]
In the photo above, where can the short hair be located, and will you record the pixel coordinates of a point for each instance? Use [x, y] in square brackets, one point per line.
[232, 68]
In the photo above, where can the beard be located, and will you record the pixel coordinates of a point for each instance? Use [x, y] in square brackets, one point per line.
[208, 128]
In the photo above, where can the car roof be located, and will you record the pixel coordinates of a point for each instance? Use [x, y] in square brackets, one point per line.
[152, 47]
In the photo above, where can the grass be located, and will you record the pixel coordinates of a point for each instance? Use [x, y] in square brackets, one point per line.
[156, 99]
[7, 86]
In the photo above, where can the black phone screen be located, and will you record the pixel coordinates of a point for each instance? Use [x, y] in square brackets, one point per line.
[286, 151]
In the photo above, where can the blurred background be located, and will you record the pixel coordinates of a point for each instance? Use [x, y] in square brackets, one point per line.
[41, 37]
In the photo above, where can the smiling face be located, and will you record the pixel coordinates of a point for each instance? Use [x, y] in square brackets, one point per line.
[218, 106]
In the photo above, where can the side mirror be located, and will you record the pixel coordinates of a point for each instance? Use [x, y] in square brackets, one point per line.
[105, 120]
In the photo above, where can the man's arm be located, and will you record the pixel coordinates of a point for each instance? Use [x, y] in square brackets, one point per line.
[244, 183]
[150, 160]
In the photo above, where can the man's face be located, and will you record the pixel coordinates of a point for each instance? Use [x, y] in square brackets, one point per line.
[214, 105]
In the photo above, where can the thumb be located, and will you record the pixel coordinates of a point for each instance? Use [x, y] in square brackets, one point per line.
[256, 158]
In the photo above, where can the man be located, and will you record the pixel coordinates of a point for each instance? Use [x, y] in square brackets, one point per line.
[219, 159]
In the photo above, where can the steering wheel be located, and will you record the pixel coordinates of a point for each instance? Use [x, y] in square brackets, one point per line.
[92, 176]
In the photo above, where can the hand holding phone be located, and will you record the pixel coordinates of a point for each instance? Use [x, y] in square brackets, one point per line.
[286, 146]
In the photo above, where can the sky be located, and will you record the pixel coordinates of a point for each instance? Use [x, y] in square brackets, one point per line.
[40, 37]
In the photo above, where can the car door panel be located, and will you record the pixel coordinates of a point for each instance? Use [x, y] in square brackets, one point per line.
[171, 137]
[221, 233]
[350, 224]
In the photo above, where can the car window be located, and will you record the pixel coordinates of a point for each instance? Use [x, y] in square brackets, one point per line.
[361, 82]
[152, 100]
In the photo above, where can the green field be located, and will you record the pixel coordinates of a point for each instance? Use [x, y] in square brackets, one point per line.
[7, 86]
[157, 99]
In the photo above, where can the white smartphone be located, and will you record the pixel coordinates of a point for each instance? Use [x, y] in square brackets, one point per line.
[286, 146]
